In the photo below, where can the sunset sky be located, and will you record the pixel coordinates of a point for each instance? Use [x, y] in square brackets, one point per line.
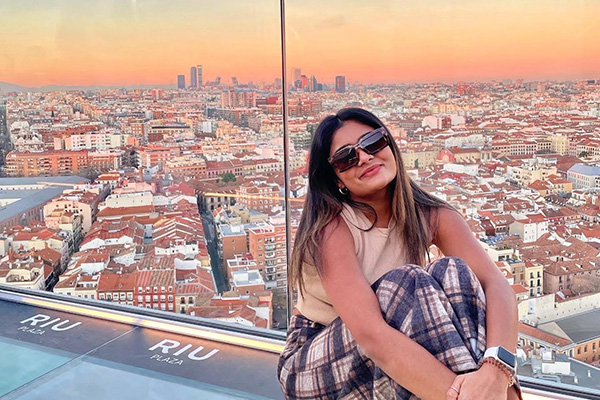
[93, 42]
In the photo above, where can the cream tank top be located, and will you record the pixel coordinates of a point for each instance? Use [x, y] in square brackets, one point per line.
[376, 255]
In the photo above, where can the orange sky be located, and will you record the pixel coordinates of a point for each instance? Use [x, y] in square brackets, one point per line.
[114, 42]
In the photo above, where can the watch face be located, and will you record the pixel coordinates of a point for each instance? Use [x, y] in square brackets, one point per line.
[506, 356]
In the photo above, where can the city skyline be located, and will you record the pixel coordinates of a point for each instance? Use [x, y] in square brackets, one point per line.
[122, 44]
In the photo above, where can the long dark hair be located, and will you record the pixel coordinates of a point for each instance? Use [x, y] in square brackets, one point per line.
[412, 207]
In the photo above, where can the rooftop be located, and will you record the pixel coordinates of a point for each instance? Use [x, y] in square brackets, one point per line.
[578, 328]
[31, 192]
[585, 169]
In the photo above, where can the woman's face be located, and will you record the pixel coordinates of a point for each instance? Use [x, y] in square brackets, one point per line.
[373, 172]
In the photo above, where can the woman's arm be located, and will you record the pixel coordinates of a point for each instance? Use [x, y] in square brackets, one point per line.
[403, 359]
[454, 238]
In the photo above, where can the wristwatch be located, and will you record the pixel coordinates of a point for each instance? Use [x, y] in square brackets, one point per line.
[504, 359]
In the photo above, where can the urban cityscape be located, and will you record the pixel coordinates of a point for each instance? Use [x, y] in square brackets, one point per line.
[173, 198]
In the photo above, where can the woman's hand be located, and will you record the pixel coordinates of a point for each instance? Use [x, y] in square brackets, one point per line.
[489, 382]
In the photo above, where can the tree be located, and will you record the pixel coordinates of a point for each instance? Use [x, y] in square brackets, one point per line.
[228, 177]
[584, 154]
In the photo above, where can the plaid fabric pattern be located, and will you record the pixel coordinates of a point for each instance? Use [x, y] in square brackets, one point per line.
[441, 306]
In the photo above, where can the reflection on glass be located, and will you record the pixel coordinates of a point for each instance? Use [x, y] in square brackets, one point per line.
[497, 115]
[99, 379]
[26, 362]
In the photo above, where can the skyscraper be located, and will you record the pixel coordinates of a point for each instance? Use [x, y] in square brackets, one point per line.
[180, 81]
[234, 81]
[303, 82]
[313, 84]
[193, 78]
[297, 78]
[296, 74]
[340, 84]
[200, 81]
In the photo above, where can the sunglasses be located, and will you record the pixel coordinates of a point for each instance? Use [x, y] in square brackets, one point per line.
[371, 143]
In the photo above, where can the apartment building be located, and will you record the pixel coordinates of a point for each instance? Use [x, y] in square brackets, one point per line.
[84, 203]
[156, 155]
[90, 141]
[258, 196]
[267, 246]
[584, 176]
[47, 163]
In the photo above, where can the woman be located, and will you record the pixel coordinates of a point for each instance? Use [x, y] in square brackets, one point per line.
[371, 322]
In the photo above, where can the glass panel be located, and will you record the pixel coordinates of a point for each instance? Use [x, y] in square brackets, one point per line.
[35, 341]
[144, 145]
[51, 349]
[494, 107]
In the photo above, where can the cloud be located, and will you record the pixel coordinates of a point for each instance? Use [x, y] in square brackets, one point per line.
[331, 22]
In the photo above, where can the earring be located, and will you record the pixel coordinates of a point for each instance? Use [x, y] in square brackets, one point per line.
[343, 191]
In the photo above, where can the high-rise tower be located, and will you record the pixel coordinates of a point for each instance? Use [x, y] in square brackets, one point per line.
[180, 81]
[199, 70]
[193, 78]
[296, 78]
[340, 83]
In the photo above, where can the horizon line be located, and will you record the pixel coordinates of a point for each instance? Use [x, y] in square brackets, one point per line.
[349, 81]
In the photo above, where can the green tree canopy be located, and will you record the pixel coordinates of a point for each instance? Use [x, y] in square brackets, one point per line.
[228, 177]
[584, 154]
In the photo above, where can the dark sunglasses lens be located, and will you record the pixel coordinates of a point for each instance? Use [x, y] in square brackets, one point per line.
[344, 159]
[374, 143]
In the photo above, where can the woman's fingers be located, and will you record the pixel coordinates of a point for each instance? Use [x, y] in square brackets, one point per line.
[454, 389]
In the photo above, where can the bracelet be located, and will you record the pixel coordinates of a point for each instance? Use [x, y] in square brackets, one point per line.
[509, 373]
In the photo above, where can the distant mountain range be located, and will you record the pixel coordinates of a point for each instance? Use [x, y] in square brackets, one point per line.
[11, 87]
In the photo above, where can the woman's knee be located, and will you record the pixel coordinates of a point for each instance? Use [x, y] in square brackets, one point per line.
[398, 288]
[400, 273]
[454, 266]
[454, 275]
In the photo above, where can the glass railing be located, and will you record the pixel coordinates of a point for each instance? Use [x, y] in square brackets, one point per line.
[137, 165]
[68, 345]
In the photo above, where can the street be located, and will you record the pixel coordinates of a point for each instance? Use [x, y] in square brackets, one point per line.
[215, 261]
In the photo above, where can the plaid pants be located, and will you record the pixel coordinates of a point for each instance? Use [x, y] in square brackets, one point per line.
[441, 307]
